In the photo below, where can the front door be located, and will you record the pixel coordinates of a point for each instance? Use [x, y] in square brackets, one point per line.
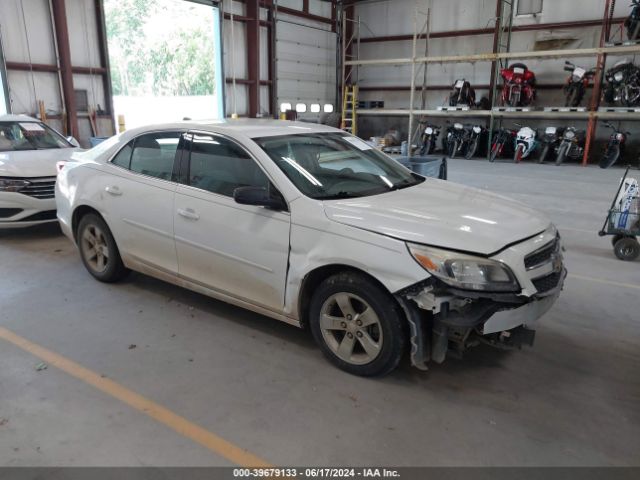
[240, 250]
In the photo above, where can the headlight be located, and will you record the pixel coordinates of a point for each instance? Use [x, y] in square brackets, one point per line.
[569, 134]
[619, 76]
[465, 271]
[428, 130]
[12, 185]
[477, 129]
[550, 131]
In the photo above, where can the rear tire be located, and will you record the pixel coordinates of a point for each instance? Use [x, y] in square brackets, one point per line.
[98, 250]
[627, 249]
[361, 344]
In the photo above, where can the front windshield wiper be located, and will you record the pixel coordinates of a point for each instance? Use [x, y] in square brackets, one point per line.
[340, 195]
[409, 182]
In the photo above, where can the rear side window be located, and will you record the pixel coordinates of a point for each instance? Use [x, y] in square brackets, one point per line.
[123, 158]
[220, 166]
[154, 153]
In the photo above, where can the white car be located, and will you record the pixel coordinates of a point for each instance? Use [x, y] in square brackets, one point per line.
[309, 225]
[29, 153]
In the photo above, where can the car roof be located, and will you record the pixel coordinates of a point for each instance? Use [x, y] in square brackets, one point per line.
[17, 118]
[252, 128]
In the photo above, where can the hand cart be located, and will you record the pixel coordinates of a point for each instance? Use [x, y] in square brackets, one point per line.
[623, 219]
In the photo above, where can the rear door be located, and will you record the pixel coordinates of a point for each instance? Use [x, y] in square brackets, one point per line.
[239, 250]
[138, 197]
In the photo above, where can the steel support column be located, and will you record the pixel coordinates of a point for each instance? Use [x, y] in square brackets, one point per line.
[253, 56]
[592, 126]
[104, 56]
[64, 53]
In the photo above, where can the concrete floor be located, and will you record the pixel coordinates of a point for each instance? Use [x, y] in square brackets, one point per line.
[574, 399]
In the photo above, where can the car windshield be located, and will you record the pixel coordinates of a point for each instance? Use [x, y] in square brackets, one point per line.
[29, 135]
[335, 165]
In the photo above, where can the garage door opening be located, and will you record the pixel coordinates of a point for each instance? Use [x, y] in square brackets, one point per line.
[165, 59]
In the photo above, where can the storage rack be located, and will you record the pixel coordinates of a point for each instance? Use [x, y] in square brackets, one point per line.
[502, 53]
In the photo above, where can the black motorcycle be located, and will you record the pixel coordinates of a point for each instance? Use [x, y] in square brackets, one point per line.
[453, 142]
[623, 84]
[615, 148]
[428, 139]
[471, 141]
[632, 23]
[549, 142]
[571, 145]
[577, 83]
[503, 143]
[462, 94]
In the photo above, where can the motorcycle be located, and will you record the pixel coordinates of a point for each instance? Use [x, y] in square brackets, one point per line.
[549, 143]
[462, 94]
[454, 141]
[577, 83]
[519, 85]
[632, 23]
[503, 143]
[428, 139]
[623, 84]
[471, 140]
[526, 143]
[571, 145]
[615, 148]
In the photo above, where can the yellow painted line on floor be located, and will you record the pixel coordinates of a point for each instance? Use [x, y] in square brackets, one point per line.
[606, 282]
[174, 421]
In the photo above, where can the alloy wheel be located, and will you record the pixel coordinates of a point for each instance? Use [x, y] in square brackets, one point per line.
[351, 328]
[94, 248]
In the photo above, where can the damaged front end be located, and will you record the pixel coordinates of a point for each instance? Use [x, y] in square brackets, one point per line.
[446, 320]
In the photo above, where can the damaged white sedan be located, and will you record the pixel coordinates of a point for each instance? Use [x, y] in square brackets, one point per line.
[309, 225]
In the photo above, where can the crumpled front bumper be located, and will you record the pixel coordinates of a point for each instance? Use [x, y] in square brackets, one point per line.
[502, 320]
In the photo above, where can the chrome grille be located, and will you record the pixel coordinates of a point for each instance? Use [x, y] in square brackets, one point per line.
[40, 187]
[542, 256]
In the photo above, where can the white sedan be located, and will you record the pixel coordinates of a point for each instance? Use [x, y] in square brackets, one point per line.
[309, 225]
[29, 153]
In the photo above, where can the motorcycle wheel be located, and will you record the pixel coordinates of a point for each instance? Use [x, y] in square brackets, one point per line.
[544, 154]
[426, 148]
[574, 95]
[453, 99]
[610, 157]
[517, 157]
[456, 148]
[562, 153]
[472, 149]
[495, 150]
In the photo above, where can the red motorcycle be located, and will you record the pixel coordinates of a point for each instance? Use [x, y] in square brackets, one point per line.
[519, 86]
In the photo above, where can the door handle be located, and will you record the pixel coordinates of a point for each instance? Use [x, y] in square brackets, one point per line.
[188, 213]
[115, 191]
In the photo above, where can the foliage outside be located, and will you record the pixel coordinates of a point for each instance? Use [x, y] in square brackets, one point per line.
[160, 47]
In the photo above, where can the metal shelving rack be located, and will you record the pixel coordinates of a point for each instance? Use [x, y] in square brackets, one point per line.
[503, 55]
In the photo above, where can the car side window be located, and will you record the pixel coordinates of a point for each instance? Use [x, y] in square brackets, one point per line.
[154, 154]
[220, 166]
[123, 158]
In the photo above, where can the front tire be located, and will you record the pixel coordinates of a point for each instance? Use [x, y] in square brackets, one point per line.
[545, 153]
[472, 149]
[517, 157]
[98, 250]
[610, 157]
[358, 325]
[562, 153]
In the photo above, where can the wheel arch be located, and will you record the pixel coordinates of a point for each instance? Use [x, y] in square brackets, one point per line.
[315, 277]
[79, 212]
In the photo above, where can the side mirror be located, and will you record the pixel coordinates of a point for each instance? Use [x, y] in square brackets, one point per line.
[73, 142]
[259, 196]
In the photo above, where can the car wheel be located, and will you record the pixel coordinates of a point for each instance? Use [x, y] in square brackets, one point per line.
[358, 325]
[98, 250]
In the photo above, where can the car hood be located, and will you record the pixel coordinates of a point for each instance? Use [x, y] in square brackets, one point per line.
[33, 163]
[442, 214]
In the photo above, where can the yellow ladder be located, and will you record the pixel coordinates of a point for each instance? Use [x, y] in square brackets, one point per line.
[349, 109]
